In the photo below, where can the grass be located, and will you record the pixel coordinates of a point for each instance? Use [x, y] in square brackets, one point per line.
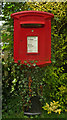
[13, 109]
[43, 115]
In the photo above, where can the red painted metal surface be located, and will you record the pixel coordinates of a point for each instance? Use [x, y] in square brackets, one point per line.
[43, 56]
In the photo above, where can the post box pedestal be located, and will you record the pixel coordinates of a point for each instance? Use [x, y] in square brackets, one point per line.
[36, 105]
[35, 108]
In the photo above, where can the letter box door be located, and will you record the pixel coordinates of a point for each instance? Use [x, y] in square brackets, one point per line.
[30, 43]
[33, 44]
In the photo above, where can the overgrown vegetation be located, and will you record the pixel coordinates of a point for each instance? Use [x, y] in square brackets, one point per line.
[50, 81]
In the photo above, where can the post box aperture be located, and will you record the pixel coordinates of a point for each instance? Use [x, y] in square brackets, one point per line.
[32, 36]
[31, 25]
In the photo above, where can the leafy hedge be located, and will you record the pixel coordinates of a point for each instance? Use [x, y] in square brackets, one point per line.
[50, 81]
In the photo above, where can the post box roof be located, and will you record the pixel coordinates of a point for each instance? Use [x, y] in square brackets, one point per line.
[39, 13]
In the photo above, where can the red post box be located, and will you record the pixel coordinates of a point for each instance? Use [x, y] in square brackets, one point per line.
[32, 36]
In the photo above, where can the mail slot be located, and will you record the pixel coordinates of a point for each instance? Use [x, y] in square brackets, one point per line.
[32, 36]
[32, 25]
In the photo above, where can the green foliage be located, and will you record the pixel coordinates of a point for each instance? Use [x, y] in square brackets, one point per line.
[61, 95]
[48, 82]
[12, 107]
[53, 107]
